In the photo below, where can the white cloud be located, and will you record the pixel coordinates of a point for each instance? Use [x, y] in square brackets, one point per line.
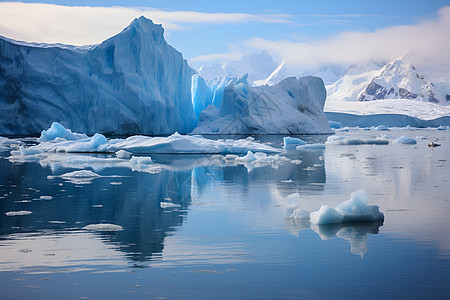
[215, 57]
[80, 25]
[427, 43]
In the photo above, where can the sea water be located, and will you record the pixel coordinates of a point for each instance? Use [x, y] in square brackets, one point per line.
[193, 228]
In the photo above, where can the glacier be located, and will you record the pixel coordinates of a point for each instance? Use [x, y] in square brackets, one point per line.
[133, 82]
[136, 83]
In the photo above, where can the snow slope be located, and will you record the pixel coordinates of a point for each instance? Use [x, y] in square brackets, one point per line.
[395, 80]
[292, 106]
[131, 83]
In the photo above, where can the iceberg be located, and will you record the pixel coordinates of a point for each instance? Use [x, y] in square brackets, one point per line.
[405, 140]
[133, 82]
[356, 209]
[291, 106]
[290, 143]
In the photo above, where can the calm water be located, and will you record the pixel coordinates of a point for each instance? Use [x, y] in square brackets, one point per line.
[229, 239]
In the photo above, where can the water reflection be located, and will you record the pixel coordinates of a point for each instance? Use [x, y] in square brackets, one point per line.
[355, 233]
[131, 198]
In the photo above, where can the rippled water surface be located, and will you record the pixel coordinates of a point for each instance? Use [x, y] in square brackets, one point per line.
[227, 236]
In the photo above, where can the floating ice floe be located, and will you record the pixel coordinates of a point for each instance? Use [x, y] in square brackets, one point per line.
[103, 227]
[405, 140]
[80, 177]
[175, 143]
[356, 209]
[290, 143]
[7, 144]
[123, 154]
[18, 213]
[335, 124]
[343, 140]
[380, 128]
[168, 205]
[316, 146]
[253, 160]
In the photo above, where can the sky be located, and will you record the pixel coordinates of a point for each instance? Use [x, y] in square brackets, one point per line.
[303, 33]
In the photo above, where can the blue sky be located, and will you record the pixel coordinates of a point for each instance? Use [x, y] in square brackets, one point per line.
[243, 26]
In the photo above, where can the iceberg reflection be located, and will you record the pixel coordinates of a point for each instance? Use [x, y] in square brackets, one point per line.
[354, 232]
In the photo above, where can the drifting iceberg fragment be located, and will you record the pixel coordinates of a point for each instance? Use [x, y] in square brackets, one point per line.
[123, 154]
[168, 205]
[80, 177]
[343, 140]
[18, 213]
[103, 227]
[356, 209]
[290, 143]
[56, 130]
[326, 215]
[405, 140]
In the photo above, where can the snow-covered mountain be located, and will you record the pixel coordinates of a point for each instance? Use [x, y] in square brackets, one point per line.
[133, 82]
[395, 80]
[263, 69]
[258, 66]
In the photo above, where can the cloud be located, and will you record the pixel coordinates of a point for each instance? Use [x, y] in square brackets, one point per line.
[427, 43]
[81, 25]
[215, 57]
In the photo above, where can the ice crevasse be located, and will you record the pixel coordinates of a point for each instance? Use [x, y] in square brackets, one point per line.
[136, 83]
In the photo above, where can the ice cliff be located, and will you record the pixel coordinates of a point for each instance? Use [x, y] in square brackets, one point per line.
[133, 82]
[291, 106]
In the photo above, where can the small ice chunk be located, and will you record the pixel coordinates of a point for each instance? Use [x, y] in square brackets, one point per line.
[45, 197]
[299, 213]
[18, 213]
[335, 124]
[169, 205]
[290, 143]
[250, 157]
[103, 227]
[22, 151]
[80, 177]
[59, 131]
[310, 147]
[405, 140]
[326, 215]
[123, 154]
[230, 157]
[141, 160]
[380, 128]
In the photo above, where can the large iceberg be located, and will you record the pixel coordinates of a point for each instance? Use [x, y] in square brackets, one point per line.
[291, 106]
[132, 83]
[135, 83]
